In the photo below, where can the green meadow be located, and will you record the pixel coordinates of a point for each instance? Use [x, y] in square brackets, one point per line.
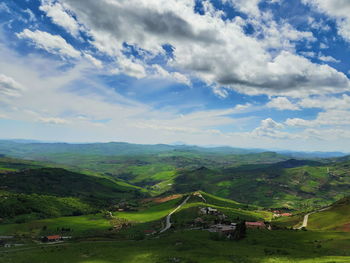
[196, 246]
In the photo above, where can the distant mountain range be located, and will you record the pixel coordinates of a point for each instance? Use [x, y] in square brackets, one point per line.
[22, 148]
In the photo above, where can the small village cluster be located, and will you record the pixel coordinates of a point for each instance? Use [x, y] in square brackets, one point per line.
[221, 222]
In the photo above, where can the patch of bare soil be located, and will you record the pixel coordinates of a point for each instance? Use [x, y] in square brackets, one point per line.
[160, 200]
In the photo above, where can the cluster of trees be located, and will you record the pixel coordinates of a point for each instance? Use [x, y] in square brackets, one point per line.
[20, 208]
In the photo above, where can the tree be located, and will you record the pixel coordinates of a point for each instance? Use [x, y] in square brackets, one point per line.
[240, 231]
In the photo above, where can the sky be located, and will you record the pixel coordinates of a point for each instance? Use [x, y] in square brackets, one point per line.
[270, 74]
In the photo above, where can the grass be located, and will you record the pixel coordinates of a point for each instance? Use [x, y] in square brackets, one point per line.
[335, 218]
[152, 213]
[87, 225]
[197, 246]
[93, 225]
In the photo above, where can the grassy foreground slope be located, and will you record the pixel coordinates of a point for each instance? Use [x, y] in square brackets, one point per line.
[336, 218]
[149, 215]
[197, 247]
[91, 232]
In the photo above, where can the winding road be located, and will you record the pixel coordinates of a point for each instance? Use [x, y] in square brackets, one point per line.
[306, 217]
[168, 222]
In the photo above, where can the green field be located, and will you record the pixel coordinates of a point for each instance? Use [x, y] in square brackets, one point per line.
[113, 199]
[87, 225]
[336, 218]
[197, 246]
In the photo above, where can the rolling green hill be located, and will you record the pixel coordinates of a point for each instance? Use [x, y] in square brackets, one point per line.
[290, 184]
[337, 217]
[94, 240]
[29, 190]
[149, 214]
[64, 183]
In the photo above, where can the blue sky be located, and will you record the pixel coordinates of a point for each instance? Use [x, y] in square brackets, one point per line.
[254, 74]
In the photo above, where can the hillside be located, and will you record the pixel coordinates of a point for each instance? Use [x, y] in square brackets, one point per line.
[61, 182]
[95, 238]
[147, 214]
[337, 217]
[296, 184]
[28, 191]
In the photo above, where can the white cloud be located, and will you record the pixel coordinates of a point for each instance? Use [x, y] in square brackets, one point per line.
[176, 76]
[132, 68]
[9, 87]
[332, 118]
[205, 46]
[326, 102]
[308, 54]
[270, 128]
[51, 43]
[320, 24]
[328, 59]
[30, 14]
[221, 92]
[297, 122]
[323, 46]
[282, 103]
[93, 60]
[249, 7]
[52, 120]
[59, 16]
[243, 107]
[270, 124]
[337, 9]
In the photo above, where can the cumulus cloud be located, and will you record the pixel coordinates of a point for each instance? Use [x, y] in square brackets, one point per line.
[282, 103]
[51, 43]
[249, 7]
[9, 87]
[59, 16]
[337, 9]
[270, 128]
[216, 51]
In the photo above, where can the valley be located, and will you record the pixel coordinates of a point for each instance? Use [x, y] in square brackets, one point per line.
[160, 204]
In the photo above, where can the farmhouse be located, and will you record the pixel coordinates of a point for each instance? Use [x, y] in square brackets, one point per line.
[208, 211]
[258, 225]
[52, 238]
[281, 214]
[286, 214]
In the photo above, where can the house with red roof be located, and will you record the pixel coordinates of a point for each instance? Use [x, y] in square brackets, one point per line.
[258, 225]
[52, 238]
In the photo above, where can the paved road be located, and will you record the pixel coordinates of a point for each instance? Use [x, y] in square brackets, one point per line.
[167, 222]
[306, 217]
